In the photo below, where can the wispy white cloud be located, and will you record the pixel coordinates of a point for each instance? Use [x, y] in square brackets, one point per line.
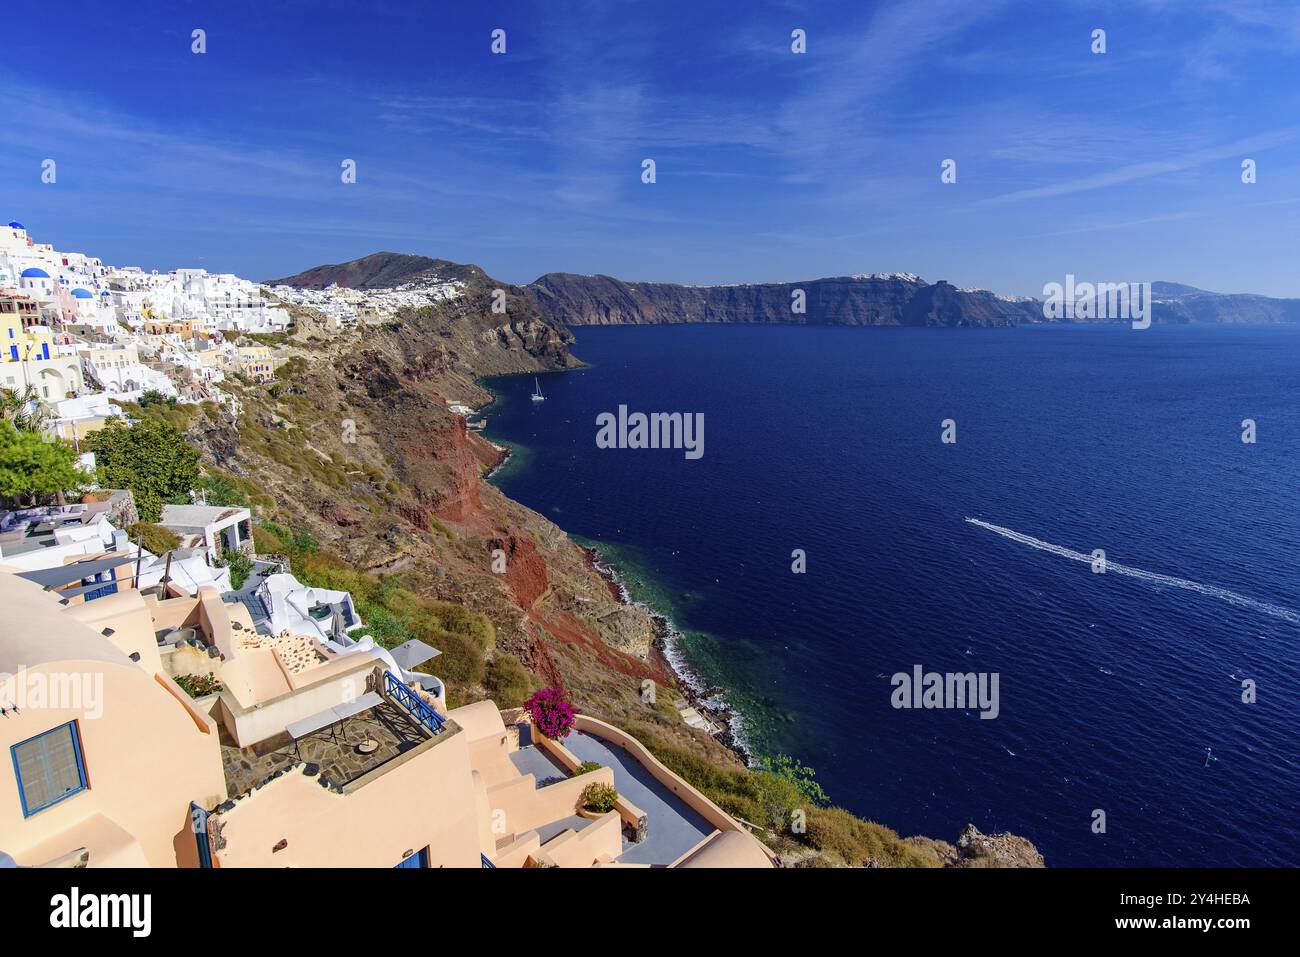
[1134, 172]
[829, 121]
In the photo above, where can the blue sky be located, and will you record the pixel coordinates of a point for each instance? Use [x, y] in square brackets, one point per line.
[1124, 166]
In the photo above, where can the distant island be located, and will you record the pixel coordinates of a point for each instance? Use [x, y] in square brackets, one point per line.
[892, 299]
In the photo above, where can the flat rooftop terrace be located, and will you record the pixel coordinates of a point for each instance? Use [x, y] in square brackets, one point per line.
[334, 751]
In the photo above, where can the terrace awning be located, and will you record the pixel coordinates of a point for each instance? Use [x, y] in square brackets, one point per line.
[331, 716]
[347, 709]
[81, 590]
[414, 652]
[67, 574]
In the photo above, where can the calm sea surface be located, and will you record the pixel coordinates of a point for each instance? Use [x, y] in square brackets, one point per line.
[1111, 686]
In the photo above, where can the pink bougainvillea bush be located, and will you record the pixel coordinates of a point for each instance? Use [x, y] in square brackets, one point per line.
[551, 713]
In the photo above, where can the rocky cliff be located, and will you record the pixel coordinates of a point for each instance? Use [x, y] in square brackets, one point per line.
[894, 300]
[1174, 302]
[355, 445]
[568, 299]
[861, 301]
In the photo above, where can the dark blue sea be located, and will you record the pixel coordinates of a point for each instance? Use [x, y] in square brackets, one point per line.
[1112, 686]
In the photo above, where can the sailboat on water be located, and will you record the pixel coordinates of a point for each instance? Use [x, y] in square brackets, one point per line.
[537, 391]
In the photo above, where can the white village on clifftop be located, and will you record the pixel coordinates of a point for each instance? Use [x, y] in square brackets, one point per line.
[78, 333]
[193, 703]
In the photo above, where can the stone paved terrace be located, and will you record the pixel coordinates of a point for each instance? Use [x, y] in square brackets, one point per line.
[673, 827]
[339, 761]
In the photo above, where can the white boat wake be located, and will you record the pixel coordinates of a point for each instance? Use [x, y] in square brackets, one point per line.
[1113, 568]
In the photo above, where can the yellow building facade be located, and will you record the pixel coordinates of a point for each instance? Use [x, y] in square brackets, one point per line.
[29, 355]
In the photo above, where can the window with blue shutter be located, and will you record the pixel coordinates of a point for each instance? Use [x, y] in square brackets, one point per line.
[49, 768]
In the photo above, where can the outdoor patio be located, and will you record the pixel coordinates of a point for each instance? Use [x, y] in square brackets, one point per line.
[334, 751]
[673, 827]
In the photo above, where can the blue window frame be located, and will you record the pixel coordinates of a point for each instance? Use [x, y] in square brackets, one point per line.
[13, 352]
[45, 350]
[49, 768]
[418, 859]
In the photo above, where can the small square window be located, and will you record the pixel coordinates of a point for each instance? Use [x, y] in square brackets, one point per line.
[49, 768]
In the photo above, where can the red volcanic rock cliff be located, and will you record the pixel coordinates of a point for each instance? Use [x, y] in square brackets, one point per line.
[457, 500]
[525, 573]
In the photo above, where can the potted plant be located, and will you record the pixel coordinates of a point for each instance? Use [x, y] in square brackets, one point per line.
[597, 800]
[199, 686]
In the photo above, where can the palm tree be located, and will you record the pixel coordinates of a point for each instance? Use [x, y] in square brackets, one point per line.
[23, 409]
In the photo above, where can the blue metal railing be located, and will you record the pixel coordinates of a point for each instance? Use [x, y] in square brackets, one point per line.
[486, 863]
[413, 703]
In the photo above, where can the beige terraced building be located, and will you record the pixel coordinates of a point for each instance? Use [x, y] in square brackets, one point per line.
[291, 753]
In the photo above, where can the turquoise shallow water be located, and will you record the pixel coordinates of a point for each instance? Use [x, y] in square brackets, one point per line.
[1112, 686]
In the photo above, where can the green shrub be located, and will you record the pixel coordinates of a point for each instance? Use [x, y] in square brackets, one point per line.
[267, 338]
[161, 411]
[586, 766]
[218, 491]
[151, 458]
[778, 798]
[155, 538]
[803, 778]
[507, 681]
[295, 368]
[460, 662]
[240, 565]
[599, 798]
[855, 841]
[471, 624]
[266, 541]
[223, 488]
[154, 397]
[388, 629]
[34, 467]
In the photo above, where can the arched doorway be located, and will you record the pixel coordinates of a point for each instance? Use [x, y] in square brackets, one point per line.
[52, 384]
